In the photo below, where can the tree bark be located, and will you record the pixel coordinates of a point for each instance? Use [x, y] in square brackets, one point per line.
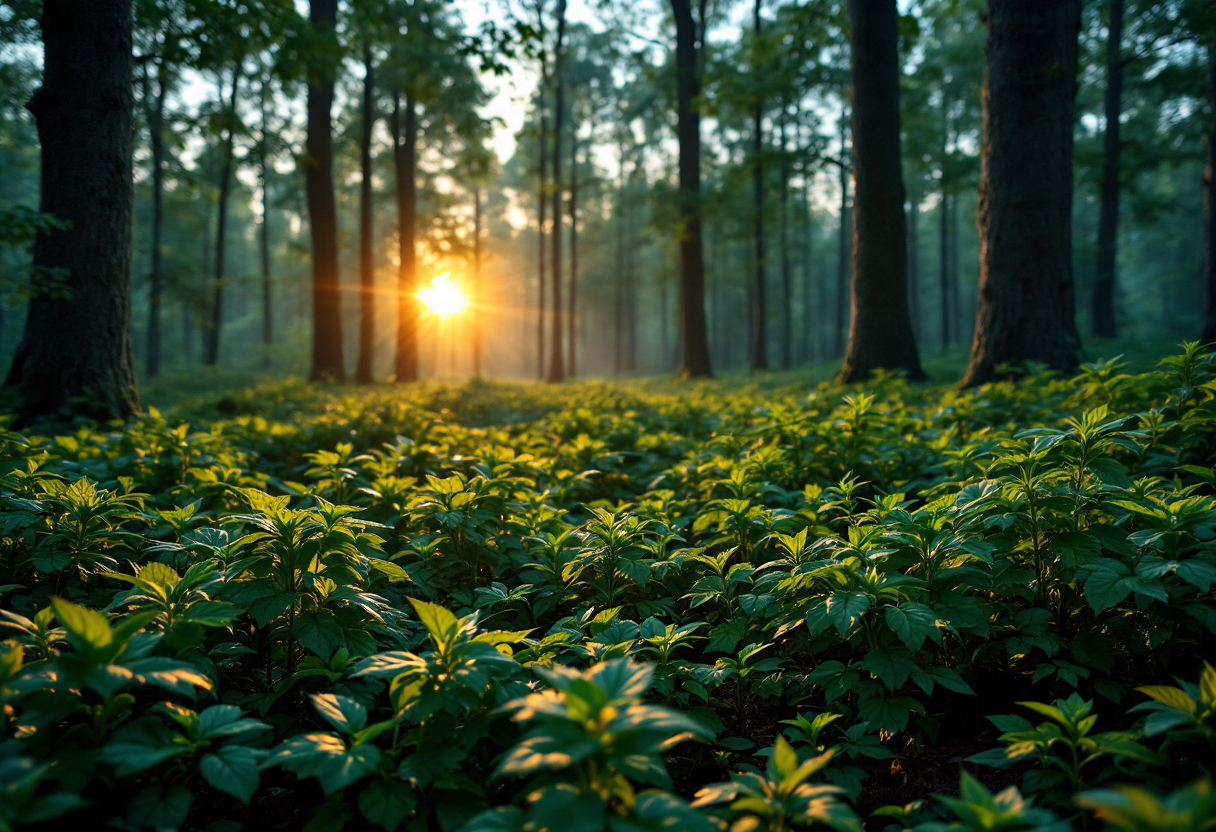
[1105, 324]
[405, 167]
[327, 352]
[572, 309]
[787, 277]
[759, 341]
[557, 372]
[155, 106]
[542, 195]
[367, 266]
[76, 353]
[694, 338]
[880, 336]
[943, 239]
[842, 262]
[1027, 302]
[1208, 290]
[476, 310]
[212, 357]
[914, 263]
[264, 236]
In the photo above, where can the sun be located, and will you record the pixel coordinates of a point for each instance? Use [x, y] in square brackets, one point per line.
[443, 297]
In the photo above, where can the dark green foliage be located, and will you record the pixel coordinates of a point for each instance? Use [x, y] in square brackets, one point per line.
[495, 607]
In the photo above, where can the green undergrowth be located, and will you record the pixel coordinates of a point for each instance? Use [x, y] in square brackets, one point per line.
[745, 605]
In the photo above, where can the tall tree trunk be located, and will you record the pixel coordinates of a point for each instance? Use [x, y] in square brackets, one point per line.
[943, 216]
[787, 277]
[808, 276]
[845, 233]
[1208, 289]
[881, 332]
[1027, 302]
[76, 352]
[542, 194]
[572, 310]
[759, 357]
[405, 167]
[914, 262]
[221, 225]
[618, 293]
[694, 338]
[327, 354]
[557, 372]
[367, 266]
[156, 139]
[477, 287]
[1105, 325]
[264, 237]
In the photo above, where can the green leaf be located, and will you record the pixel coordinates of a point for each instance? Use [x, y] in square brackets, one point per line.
[342, 712]
[845, 609]
[386, 803]
[913, 623]
[439, 622]
[319, 632]
[892, 667]
[233, 769]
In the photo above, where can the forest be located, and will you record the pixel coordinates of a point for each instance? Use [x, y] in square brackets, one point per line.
[608, 415]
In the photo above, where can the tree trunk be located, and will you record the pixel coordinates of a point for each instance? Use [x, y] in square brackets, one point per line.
[694, 339]
[476, 305]
[156, 140]
[808, 276]
[221, 226]
[842, 261]
[405, 166]
[572, 309]
[943, 216]
[264, 237]
[759, 358]
[556, 372]
[1208, 332]
[76, 352]
[542, 195]
[880, 335]
[1027, 303]
[914, 263]
[1105, 325]
[327, 354]
[367, 267]
[787, 277]
[618, 295]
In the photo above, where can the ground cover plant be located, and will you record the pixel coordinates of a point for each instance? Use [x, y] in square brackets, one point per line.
[507, 607]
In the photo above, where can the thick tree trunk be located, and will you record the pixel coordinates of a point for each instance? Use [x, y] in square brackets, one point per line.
[808, 277]
[1105, 324]
[327, 353]
[221, 226]
[845, 233]
[1208, 332]
[1027, 302]
[264, 236]
[542, 195]
[156, 141]
[367, 266]
[556, 371]
[76, 353]
[572, 309]
[880, 336]
[405, 166]
[694, 338]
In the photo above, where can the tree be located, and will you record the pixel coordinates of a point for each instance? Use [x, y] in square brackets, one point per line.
[556, 370]
[229, 120]
[1027, 301]
[880, 335]
[76, 351]
[1105, 324]
[1208, 332]
[690, 46]
[367, 266]
[327, 353]
[759, 340]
